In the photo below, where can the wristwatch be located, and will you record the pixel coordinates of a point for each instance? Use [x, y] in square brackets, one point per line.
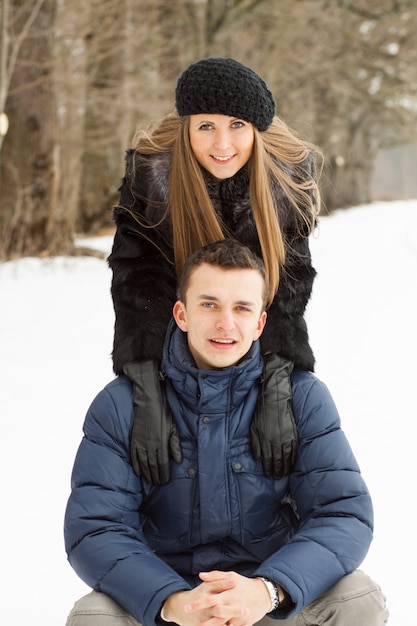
[273, 593]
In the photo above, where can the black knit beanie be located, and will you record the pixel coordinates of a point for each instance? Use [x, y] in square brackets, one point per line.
[227, 87]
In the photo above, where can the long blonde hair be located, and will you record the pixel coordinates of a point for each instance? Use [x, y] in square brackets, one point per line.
[195, 222]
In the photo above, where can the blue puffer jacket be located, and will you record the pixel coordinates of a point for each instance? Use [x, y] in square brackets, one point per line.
[140, 543]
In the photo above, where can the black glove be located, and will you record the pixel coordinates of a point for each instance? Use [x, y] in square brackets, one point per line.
[273, 431]
[154, 434]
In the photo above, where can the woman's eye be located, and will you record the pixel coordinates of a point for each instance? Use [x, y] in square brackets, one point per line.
[205, 127]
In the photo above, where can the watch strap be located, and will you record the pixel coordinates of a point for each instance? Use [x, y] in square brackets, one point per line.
[273, 593]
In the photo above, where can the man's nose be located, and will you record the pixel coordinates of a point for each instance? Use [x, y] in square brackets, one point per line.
[225, 321]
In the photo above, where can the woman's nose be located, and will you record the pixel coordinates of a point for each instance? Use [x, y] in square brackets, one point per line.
[222, 139]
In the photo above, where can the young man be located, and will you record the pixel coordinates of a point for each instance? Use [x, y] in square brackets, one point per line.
[220, 543]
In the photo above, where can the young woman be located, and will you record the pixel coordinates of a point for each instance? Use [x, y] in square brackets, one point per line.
[222, 165]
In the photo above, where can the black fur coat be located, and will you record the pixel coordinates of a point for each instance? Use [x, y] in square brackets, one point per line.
[144, 280]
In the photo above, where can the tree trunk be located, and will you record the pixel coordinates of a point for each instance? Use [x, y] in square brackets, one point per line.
[71, 29]
[350, 155]
[29, 171]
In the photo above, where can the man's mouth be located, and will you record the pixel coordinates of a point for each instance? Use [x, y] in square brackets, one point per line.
[223, 341]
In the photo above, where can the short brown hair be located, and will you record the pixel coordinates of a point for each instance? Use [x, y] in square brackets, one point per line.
[226, 254]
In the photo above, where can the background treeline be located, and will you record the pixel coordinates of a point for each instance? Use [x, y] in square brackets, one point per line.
[77, 77]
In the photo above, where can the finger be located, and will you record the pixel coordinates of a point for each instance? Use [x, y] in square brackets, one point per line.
[256, 446]
[217, 581]
[213, 621]
[163, 466]
[143, 461]
[206, 603]
[267, 465]
[228, 615]
[214, 574]
[278, 465]
[215, 608]
[152, 467]
[135, 461]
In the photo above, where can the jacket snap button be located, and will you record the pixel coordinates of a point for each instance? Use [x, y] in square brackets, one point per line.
[206, 419]
[191, 472]
[238, 466]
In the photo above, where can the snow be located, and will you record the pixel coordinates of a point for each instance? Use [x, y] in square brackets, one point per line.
[56, 331]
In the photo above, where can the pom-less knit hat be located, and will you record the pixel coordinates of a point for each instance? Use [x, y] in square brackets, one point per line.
[227, 87]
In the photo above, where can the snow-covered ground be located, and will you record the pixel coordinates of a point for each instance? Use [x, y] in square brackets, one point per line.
[56, 328]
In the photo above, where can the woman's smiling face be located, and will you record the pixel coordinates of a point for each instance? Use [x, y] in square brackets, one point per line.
[221, 144]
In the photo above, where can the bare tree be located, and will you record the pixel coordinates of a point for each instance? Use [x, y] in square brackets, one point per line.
[12, 37]
[371, 94]
[129, 62]
[70, 55]
[27, 172]
[78, 77]
[344, 74]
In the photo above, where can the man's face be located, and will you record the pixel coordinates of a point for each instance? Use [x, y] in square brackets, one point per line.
[223, 314]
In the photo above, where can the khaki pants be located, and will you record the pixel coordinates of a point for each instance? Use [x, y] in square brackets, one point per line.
[354, 601]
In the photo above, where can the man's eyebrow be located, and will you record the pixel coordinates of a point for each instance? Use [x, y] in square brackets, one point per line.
[204, 296]
[247, 303]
